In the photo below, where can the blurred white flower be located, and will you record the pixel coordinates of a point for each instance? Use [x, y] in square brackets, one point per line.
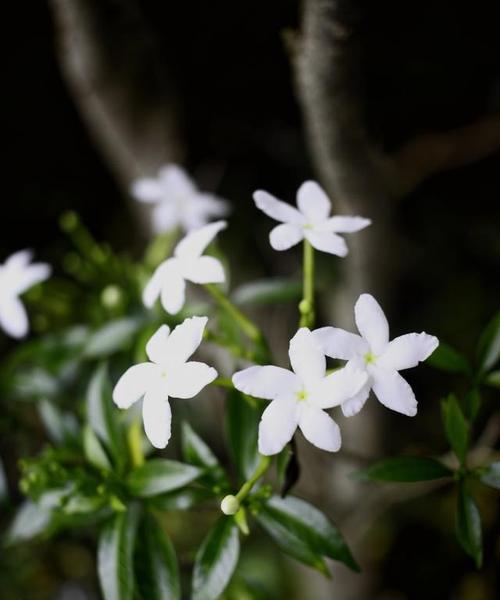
[381, 359]
[187, 264]
[168, 374]
[17, 276]
[310, 221]
[177, 200]
[299, 397]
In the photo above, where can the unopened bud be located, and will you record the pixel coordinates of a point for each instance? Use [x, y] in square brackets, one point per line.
[230, 505]
[304, 306]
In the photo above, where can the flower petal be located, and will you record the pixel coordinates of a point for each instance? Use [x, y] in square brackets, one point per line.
[165, 216]
[313, 202]
[277, 209]
[340, 224]
[19, 259]
[338, 387]
[406, 351]
[211, 206]
[29, 276]
[319, 428]
[267, 382]
[157, 417]
[147, 189]
[134, 383]
[173, 293]
[175, 181]
[205, 269]
[277, 426]
[13, 317]
[184, 340]
[157, 347]
[338, 343]
[286, 235]
[325, 241]
[187, 380]
[352, 406]
[194, 243]
[393, 391]
[153, 288]
[306, 356]
[371, 322]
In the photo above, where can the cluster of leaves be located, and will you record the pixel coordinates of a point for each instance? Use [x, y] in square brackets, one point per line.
[459, 418]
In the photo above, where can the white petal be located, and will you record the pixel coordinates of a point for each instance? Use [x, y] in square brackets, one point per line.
[175, 181]
[393, 391]
[147, 189]
[313, 203]
[184, 340]
[346, 224]
[194, 243]
[173, 293]
[19, 259]
[157, 417]
[338, 387]
[187, 380]
[355, 404]
[157, 347]
[319, 428]
[408, 350]
[277, 426]
[205, 269]
[338, 343]
[371, 322]
[267, 382]
[134, 383]
[306, 356]
[13, 318]
[277, 209]
[165, 216]
[29, 276]
[325, 241]
[153, 288]
[285, 236]
[211, 206]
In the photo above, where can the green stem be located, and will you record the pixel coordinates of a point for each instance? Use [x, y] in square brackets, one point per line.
[134, 438]
[223, 382]
[246, 488]
[306, 306]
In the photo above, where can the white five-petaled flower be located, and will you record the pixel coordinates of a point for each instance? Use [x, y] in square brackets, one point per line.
[311, 220]
[16, 276]
[380, 358]
[177, 200]
[168, 374]
[299, 397]
[187, 264]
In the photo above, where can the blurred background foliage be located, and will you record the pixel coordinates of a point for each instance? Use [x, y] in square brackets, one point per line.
[426, 67]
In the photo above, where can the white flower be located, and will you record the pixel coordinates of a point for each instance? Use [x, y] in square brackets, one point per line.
[311, 221]
[187, 264]
[177, 200]
[299, 397]
[17, 276]
[168, 374]
[380, 358]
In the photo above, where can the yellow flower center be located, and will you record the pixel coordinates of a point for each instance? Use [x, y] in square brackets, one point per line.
[301, 396]
[370, 358]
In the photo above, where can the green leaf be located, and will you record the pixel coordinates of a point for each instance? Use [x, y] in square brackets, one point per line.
[493, 379]
[267, 291]
[115, 555]
[194, 450]
[112, 337]
[404, 469]
[468, 525]
[488, 351]
[183, 499]
[159, 475]
[491, 475]
[472, 404]
[242, 425]
[446, 358]
[455, 426]
[216, 560]
[94, 452]
[30, 520]
[304, 532]
[157, 571]
[59, 426]
[4, 489]
[101, 414]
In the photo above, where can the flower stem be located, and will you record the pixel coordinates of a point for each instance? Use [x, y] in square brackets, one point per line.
[134, 438]
[262, 467]
[306, 305]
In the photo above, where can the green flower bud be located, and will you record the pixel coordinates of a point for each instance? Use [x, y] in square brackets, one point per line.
[230, 505]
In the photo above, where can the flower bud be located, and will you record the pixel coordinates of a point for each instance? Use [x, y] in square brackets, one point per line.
[230, 505]
[304, 306]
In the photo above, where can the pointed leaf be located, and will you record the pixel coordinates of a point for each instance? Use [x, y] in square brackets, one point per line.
[194, 450]
[30, 520]
[160, 475]
[242, 425]
[183, 499]
[491, 475]
[455, 426]
[112, 337]
[446, 358]
[267, 291]
[94, 452]
[468, 525]
[488, 352]
[404, 469]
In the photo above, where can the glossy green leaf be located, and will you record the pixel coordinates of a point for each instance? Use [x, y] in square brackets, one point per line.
[493, 379]
[94, 452]
[112, 337]
[242, 425]
[216, 560]
[404, 469]
[304, 532]
[456, 427]
[472, 404]
[194, 450]
[59, 426]
[115, 555]
[183, 499]
[31, 520]
[491, 475]
[157, 571]
[446, 358]
[159, 475]
[488, 352]
[468, 525]
[267, 291]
